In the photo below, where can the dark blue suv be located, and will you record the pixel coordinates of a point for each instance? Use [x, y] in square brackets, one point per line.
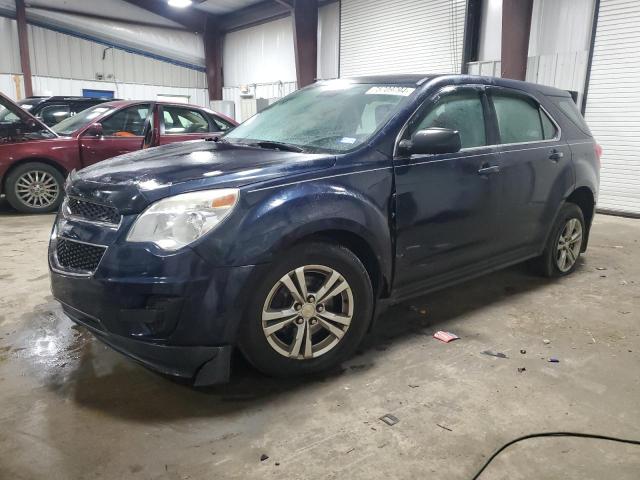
[286, 236]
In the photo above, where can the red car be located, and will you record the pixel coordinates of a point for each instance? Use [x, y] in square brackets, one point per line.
[35, 159]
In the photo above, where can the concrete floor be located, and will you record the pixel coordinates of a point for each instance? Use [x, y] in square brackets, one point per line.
[70, 408]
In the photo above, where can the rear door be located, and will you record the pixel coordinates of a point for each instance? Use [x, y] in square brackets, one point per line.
[122, 132]
[179, 123]
[447, 204]
[536, 171]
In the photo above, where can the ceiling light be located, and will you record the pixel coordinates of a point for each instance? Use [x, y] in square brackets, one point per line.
[179, 3]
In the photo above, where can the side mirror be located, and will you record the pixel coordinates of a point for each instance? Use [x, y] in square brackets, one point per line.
[94, 130]
[431, 141]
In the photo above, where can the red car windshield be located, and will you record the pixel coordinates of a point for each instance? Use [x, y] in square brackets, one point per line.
[69, 125]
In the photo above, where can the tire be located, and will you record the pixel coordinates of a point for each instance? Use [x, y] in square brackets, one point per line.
[551, 263]
[35, 188]
[276, 354]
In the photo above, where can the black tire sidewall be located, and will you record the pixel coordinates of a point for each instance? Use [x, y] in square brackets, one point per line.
[253, 342]
[568, 211]
[12, 178]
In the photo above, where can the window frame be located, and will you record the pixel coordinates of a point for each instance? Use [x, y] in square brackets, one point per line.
[184, 107]
[490, 126]
[526, 96]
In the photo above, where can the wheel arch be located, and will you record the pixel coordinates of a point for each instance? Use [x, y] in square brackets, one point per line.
[360, 247]
[24, 161]
[584, 198]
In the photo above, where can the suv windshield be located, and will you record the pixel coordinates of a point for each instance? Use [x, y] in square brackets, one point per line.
[18, 126]
[333, 116]
[68, 126]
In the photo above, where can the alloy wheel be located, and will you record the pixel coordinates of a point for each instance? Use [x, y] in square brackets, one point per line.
[307, 312]
[569, 245]
[37, 189]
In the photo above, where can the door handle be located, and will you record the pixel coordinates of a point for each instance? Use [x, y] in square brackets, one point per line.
[555, 155]
[486, 169]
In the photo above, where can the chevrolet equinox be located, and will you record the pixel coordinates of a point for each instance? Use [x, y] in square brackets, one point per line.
[286, 236]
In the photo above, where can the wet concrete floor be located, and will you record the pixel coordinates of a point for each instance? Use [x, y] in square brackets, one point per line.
[71, 408]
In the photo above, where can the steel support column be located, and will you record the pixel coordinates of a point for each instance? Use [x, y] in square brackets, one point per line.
[213, 58]
[516, 26]
[305, 39]
[23, 43]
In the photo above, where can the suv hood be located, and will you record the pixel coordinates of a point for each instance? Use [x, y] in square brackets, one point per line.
[132, 181]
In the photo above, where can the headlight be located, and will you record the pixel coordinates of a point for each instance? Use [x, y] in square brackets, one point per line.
[177, 221]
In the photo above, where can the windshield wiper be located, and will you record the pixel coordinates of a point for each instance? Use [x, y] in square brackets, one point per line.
[287, 147]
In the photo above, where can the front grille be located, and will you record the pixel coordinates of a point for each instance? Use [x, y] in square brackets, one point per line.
[78, 256]
[93, 212]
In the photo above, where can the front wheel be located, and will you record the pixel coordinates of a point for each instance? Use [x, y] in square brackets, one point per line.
[564, 245]
[35, 188]
[309, 312]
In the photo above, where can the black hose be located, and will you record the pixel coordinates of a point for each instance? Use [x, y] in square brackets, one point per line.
[550, 434]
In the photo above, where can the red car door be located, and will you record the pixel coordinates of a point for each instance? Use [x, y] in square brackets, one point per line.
[181, 123]
[122, 132]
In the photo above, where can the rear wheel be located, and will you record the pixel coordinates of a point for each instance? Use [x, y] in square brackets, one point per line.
[309, 312]
[35, 188]
[564, 246]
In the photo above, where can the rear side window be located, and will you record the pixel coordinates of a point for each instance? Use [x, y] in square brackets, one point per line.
[52, 114]
[570, 109]
[521, 119]
[180, 121]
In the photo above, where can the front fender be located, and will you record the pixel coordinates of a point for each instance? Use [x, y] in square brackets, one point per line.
[276, 217]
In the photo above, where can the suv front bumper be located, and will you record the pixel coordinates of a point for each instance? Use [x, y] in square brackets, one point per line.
[175, 314]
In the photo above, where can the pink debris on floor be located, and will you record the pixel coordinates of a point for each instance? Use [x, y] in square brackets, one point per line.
[445, 337]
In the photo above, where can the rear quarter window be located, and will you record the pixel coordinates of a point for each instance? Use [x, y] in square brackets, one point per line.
[570, 109]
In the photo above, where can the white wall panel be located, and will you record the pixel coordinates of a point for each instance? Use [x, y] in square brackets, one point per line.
[125, 91]
[613, 104]
[58, 55]
[9, 88]
[328, 40]
[10, 54]
[490, 41]
[260, 54]
[179, 45]
[560, 26]
[401, 36]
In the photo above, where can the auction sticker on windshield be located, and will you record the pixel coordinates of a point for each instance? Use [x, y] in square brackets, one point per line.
[390, 90]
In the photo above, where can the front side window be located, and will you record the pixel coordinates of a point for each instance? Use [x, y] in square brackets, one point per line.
[461, 111]
[520, 119]
[128, 122]
[53, 114]
[332, 116]
[181, 121]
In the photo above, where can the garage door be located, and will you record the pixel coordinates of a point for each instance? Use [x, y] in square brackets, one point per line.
[613, 104]
[401, 36]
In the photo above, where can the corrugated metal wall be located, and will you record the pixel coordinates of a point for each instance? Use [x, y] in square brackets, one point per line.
[401, 36]
[262, 57]
[10, 56]
[63, 65]
[613, 104]
[57, 55]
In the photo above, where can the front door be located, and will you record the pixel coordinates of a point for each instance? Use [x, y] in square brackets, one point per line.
[447, 204]
[536, 172]
[182, 123]
[122, 132]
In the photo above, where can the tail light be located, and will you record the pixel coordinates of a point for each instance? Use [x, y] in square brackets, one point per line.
[598, 150]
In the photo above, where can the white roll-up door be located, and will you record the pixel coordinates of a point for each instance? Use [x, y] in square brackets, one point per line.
[613, 104]
[401, 36]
